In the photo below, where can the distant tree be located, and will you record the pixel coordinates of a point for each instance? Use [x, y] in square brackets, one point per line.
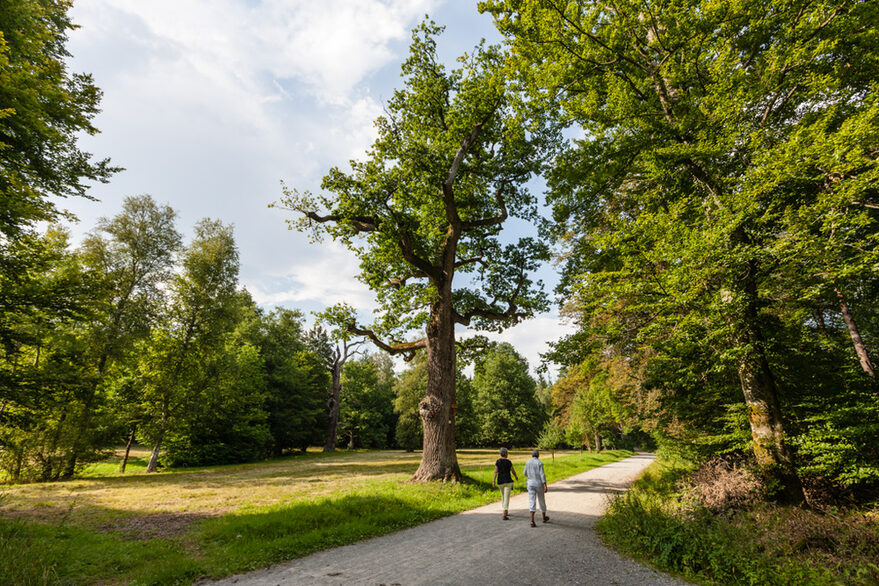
[467, 426]
[551, 437]
[296, 381]
[128, 259]
[202, 309]
[446, 172]
[366, 414]
[504, 400]
[42, 369]
[227, 422]
[335, 347]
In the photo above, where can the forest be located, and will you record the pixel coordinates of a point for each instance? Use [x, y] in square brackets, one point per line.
[712, 172]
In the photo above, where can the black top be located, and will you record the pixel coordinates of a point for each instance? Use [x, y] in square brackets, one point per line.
[503, 470]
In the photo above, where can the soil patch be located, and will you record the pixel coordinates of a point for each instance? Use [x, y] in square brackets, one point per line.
[154, 525]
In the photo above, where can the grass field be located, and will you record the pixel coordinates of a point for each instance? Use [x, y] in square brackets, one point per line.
[180, 525]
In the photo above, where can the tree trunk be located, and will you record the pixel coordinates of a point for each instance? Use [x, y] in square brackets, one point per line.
[439, 460]
[819, 319]
[154, 456]
[764, 413]
[860, 347]
[127, 450]
[333, 404]
[597, 442]
[19, 461]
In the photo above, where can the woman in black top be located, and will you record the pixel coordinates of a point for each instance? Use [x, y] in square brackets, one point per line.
[502, 470]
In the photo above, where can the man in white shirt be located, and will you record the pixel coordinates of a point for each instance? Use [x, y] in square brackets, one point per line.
[536, 483]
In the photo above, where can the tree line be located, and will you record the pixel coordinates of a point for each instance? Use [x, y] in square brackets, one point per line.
[717, 216]
[146, 340]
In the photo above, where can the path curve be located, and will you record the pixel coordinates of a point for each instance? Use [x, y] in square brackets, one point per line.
[477, 547]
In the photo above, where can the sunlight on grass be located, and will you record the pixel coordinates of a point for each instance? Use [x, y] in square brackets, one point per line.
[224, 519]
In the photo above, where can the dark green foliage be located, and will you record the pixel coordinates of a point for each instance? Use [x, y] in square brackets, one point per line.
[504, 400]
[410, 388]
[228, 422]
[366, 418]
[45, 378]
[43, 108]
[467, 429]
[296, 383]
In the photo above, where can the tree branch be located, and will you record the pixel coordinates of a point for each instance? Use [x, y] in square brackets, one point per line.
[407, 348]
[408, 252]
[361, 223]
[468, 261]
[510, 312]
[448, 194]
[496, 220]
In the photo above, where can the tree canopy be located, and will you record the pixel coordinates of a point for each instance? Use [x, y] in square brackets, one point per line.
[695, 210]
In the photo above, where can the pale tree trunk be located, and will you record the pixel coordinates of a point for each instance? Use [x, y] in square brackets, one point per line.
[597, 442]
[154, 455]
[860, 347]
[764, 413]
[439, 460]
[157, 446]
[333, 404]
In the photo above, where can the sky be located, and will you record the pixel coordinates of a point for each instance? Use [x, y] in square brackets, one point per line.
[210, 104]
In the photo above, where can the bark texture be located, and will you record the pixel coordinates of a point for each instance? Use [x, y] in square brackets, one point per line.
[860, 347]
[764, 412]
[127, 450]
[439, 461]
[157, 447]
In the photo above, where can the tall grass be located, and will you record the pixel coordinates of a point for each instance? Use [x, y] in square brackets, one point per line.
[364, 504]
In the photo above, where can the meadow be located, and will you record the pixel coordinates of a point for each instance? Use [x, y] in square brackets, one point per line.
[181, 525]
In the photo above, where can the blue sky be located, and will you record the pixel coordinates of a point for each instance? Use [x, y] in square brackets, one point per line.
[210, 104]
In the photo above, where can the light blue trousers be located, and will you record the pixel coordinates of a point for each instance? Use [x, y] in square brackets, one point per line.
[535, 493]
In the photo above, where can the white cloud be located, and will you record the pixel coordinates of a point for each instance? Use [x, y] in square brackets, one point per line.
[324, 277]
[531, 338]
[330, 46]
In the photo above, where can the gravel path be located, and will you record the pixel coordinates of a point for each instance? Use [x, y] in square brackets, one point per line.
[477, 547]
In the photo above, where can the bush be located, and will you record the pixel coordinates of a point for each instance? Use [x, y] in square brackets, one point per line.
[722, 484]
[750, 543]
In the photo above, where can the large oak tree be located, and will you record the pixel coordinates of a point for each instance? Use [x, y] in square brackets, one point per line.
[424, 212]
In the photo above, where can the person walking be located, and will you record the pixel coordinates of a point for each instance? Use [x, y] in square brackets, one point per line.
[502, 479]
[536, 483]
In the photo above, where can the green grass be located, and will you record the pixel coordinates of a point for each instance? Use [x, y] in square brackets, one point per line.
[284, 509]
[761, 544]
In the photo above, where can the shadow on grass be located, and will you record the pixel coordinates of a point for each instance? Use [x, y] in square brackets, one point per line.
[247, 541]
[237, 542]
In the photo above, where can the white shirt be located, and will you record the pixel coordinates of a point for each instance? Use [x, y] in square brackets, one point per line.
[534, 472]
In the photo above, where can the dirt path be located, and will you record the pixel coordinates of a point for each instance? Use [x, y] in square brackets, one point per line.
[477, 547]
